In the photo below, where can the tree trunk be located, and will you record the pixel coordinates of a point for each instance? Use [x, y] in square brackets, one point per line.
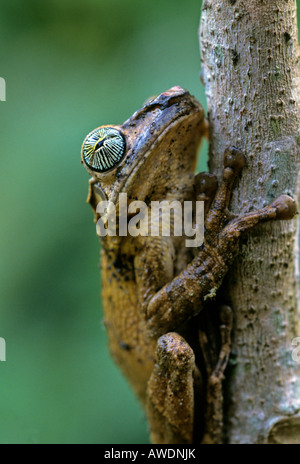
[249, 53]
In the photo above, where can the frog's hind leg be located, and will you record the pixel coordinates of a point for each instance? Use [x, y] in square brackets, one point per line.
[170, 405]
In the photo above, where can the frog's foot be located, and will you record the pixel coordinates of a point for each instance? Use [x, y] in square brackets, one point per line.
[170, 402]
[283, 208]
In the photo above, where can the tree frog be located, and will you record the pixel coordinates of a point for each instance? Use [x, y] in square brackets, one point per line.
[165, 331]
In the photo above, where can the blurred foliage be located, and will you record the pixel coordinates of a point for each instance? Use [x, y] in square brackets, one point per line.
[69, 67]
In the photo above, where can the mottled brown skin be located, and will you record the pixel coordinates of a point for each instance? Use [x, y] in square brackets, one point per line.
[153, 289]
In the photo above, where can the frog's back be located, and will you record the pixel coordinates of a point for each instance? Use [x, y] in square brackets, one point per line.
[132, 351]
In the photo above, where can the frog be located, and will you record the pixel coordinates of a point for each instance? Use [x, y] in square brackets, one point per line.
[166, 329]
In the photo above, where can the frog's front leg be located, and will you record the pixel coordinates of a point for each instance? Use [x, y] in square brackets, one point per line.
[171, 392]
[183, 297]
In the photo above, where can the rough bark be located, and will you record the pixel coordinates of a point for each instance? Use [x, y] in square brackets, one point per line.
[250, 63]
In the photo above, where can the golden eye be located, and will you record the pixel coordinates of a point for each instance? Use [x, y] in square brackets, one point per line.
[103, 149]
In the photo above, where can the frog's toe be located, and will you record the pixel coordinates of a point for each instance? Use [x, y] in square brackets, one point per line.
[234, 159]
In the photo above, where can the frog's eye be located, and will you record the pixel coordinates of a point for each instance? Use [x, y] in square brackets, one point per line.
[103, 149]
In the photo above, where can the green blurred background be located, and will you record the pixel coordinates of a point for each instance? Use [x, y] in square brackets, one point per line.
[69, 67]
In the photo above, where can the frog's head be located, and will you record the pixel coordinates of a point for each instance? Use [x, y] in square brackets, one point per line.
[152, 154]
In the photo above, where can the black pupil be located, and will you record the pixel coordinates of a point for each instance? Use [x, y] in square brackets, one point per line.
[100, 144]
